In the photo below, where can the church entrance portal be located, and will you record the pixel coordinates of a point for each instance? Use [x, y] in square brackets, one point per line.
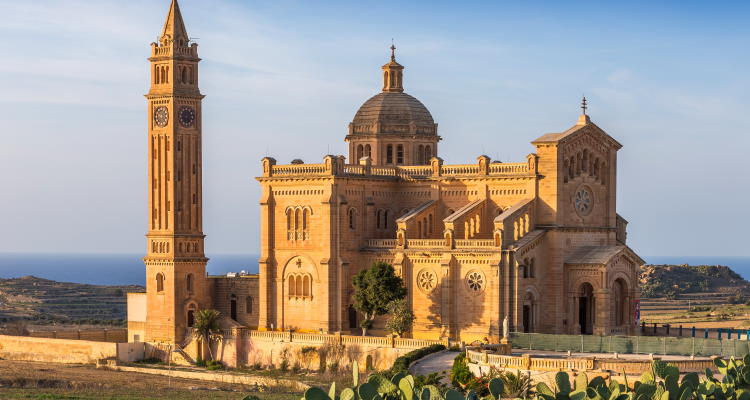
[586, 307]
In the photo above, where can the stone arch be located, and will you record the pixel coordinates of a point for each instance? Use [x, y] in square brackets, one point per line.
[360, 152]
[159, 282]
[368, 151]
[530, 311]
[305, 262]
[190, 314]
[586, 312]
[352, 218]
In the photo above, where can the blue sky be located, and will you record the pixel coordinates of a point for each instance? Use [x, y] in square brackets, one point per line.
[669, 80]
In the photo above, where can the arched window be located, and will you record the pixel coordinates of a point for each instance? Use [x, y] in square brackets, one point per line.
[378, 217]
[183, 73]
[419, 228]
[429, 223]
[248, 305]
[292, 287]
[233, 307]
[159, 282]
[352, 218]
[189, 282]
[585, 160]
[385, 219]
[289, 224]
[190, 318]
[400, 154]
[532, 269]
[305, 223]
[306, 286]
[368, 151]
[427, 154]
[297, 224]
[298, 283]
[360, 152]
[389, 154]
[420, 154]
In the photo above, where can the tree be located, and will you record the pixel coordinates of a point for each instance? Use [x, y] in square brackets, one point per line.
[206, 328]
[402, 317]
[374, 289]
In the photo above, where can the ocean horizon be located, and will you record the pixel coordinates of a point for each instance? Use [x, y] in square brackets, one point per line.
[128, 269]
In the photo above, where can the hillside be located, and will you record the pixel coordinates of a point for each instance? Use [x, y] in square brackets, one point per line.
[42, 301]
[671, 281]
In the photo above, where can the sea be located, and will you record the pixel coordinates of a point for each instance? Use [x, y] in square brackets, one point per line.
[128, 269]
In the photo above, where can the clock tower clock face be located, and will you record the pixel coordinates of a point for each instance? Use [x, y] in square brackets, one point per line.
[161, 116]
[187, 116]
[584, 201]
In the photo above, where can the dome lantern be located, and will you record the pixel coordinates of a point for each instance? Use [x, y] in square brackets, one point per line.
[392, 127]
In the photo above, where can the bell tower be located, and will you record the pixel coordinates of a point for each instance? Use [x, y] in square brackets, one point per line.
[175, 259]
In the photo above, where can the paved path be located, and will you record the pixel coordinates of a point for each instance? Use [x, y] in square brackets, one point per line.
[436, 362]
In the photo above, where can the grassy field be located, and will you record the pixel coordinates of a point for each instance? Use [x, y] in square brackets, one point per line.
[30, 380]
[703, 310]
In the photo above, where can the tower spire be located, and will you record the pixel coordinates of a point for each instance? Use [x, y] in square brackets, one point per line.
[393, 74]
[174, 27]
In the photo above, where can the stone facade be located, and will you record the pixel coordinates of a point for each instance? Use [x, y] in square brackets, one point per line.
[537, 241]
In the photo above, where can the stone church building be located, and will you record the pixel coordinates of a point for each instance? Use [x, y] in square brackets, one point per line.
[538, 241]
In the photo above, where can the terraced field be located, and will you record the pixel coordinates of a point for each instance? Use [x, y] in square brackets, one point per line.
[43, 301]
[702, 310]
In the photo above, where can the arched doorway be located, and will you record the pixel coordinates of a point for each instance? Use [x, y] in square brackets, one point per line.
[586, 309]
[233, 308]
[529, 313]
[352, 317]
[620, 302]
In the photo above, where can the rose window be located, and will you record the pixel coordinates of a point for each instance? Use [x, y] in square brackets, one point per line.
[426, 280]
[476, 281]
[583, 201]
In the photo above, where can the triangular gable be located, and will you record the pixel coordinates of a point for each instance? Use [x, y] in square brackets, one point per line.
[576, 131]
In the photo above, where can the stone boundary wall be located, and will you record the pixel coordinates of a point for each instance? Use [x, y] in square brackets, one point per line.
[117, 335]
[25, 348]
[311, 351]
[546, 364]
[215, 376]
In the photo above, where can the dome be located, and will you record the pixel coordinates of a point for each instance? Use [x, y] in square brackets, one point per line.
[393, 113]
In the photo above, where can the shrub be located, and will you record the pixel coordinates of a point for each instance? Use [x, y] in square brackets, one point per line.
[213, 365]
[460, 373]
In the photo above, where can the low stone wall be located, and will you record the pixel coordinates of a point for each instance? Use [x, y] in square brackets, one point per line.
[117, 335]
[25, 348]
[548, 364]
[224, 377]
[311, 351]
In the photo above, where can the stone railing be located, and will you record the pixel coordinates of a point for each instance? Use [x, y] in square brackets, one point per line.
[299, 169]
[431, 243]
[475, 243]
[320, 338]
[335, 165]
[424, 243]
[381, 243]
[564, 363]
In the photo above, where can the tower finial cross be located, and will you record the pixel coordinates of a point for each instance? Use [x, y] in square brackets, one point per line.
[584, 105]
[393, 51]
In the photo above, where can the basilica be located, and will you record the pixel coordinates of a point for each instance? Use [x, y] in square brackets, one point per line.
[538, 241]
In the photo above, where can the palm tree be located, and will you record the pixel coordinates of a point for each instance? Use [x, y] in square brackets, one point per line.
[206, 328]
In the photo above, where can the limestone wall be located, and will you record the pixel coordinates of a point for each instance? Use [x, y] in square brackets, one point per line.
[310, 351]
[25, 348]
[118, 335]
